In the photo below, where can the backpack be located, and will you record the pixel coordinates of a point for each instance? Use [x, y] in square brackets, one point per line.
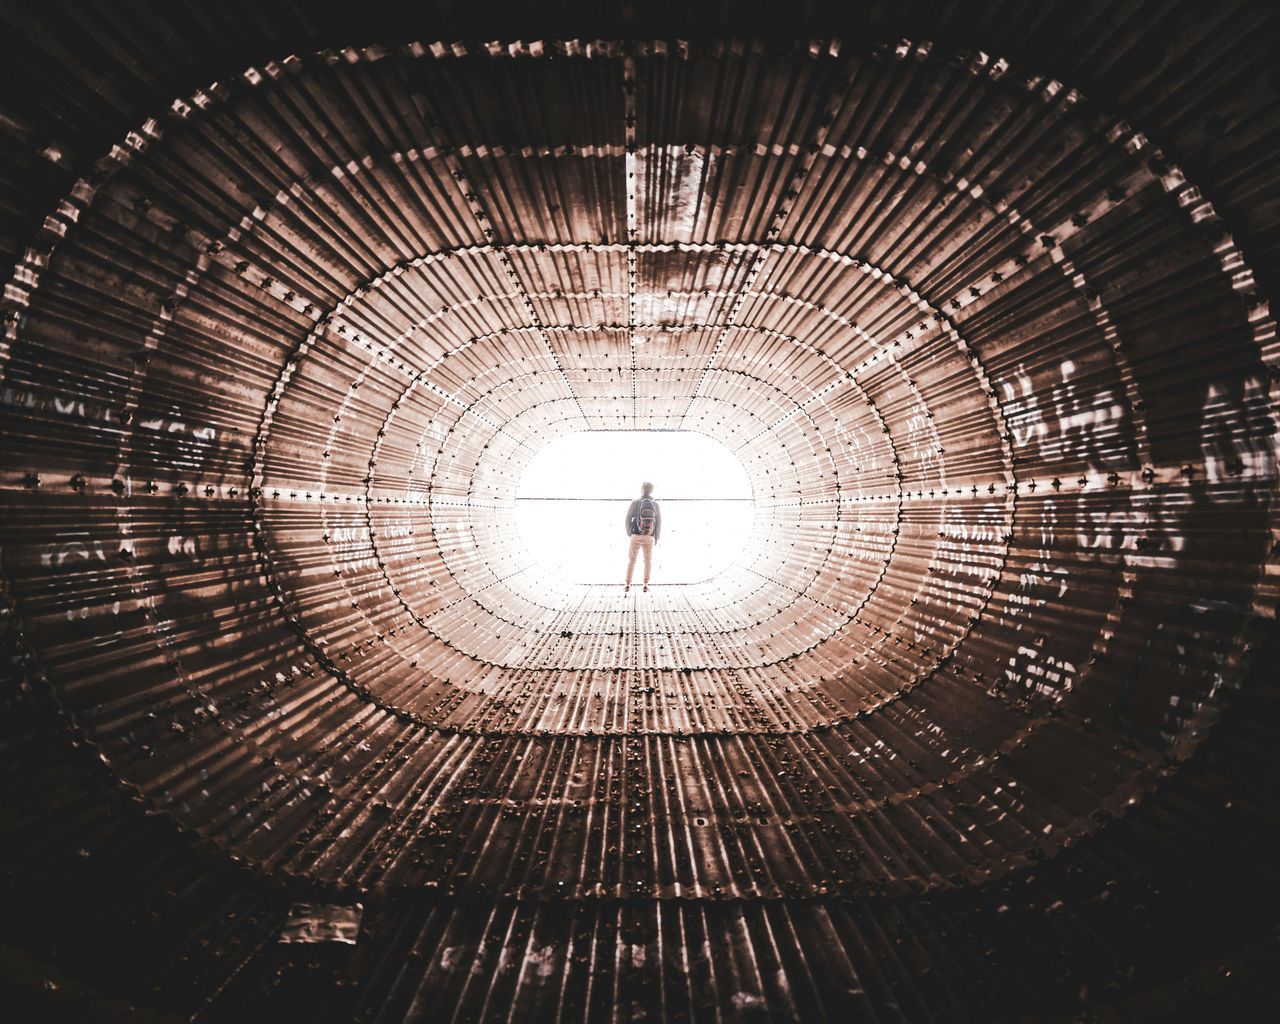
[646, 515]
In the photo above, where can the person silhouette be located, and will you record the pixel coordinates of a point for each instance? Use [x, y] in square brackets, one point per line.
[644, 523]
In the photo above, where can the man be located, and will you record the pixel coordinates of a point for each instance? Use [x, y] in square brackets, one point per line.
[644, 523]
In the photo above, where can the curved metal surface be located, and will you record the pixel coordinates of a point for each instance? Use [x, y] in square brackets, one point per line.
[999, 372]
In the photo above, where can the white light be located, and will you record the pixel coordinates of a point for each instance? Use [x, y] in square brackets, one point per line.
[572, 502]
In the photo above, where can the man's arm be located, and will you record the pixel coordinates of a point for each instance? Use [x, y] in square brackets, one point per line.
[626, 523]
[657, 521]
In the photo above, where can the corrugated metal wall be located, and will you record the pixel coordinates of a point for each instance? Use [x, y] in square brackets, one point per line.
[980, 299]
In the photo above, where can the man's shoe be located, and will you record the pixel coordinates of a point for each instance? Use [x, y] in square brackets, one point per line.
[627, 589]
[646, 588]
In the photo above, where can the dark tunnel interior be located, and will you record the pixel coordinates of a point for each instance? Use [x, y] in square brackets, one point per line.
[979, 723]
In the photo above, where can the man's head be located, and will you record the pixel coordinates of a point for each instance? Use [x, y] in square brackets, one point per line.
[646, 489]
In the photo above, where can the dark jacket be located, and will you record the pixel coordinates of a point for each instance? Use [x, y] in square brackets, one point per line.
[633, 516]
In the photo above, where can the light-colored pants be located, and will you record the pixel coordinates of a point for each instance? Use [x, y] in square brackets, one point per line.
[639, 542]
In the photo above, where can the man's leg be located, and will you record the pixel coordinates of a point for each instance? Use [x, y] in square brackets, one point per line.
[631, 557]
[648, 559]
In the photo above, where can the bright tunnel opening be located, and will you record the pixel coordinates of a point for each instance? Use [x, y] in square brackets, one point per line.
[573, 497]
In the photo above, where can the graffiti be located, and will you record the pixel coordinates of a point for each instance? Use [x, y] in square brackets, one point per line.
[1237, 435]
[1073, 425]
[76, 549]
[1036, 673]
[183, 546]
[969, 543]
[1088, 426]
[64, 405]
[967, 554]
[431, 444]
[1043, 579]
[351, 547]
[921, 443]
[77, 552]
[1022, 410]
[186, 445]
[189, 445]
